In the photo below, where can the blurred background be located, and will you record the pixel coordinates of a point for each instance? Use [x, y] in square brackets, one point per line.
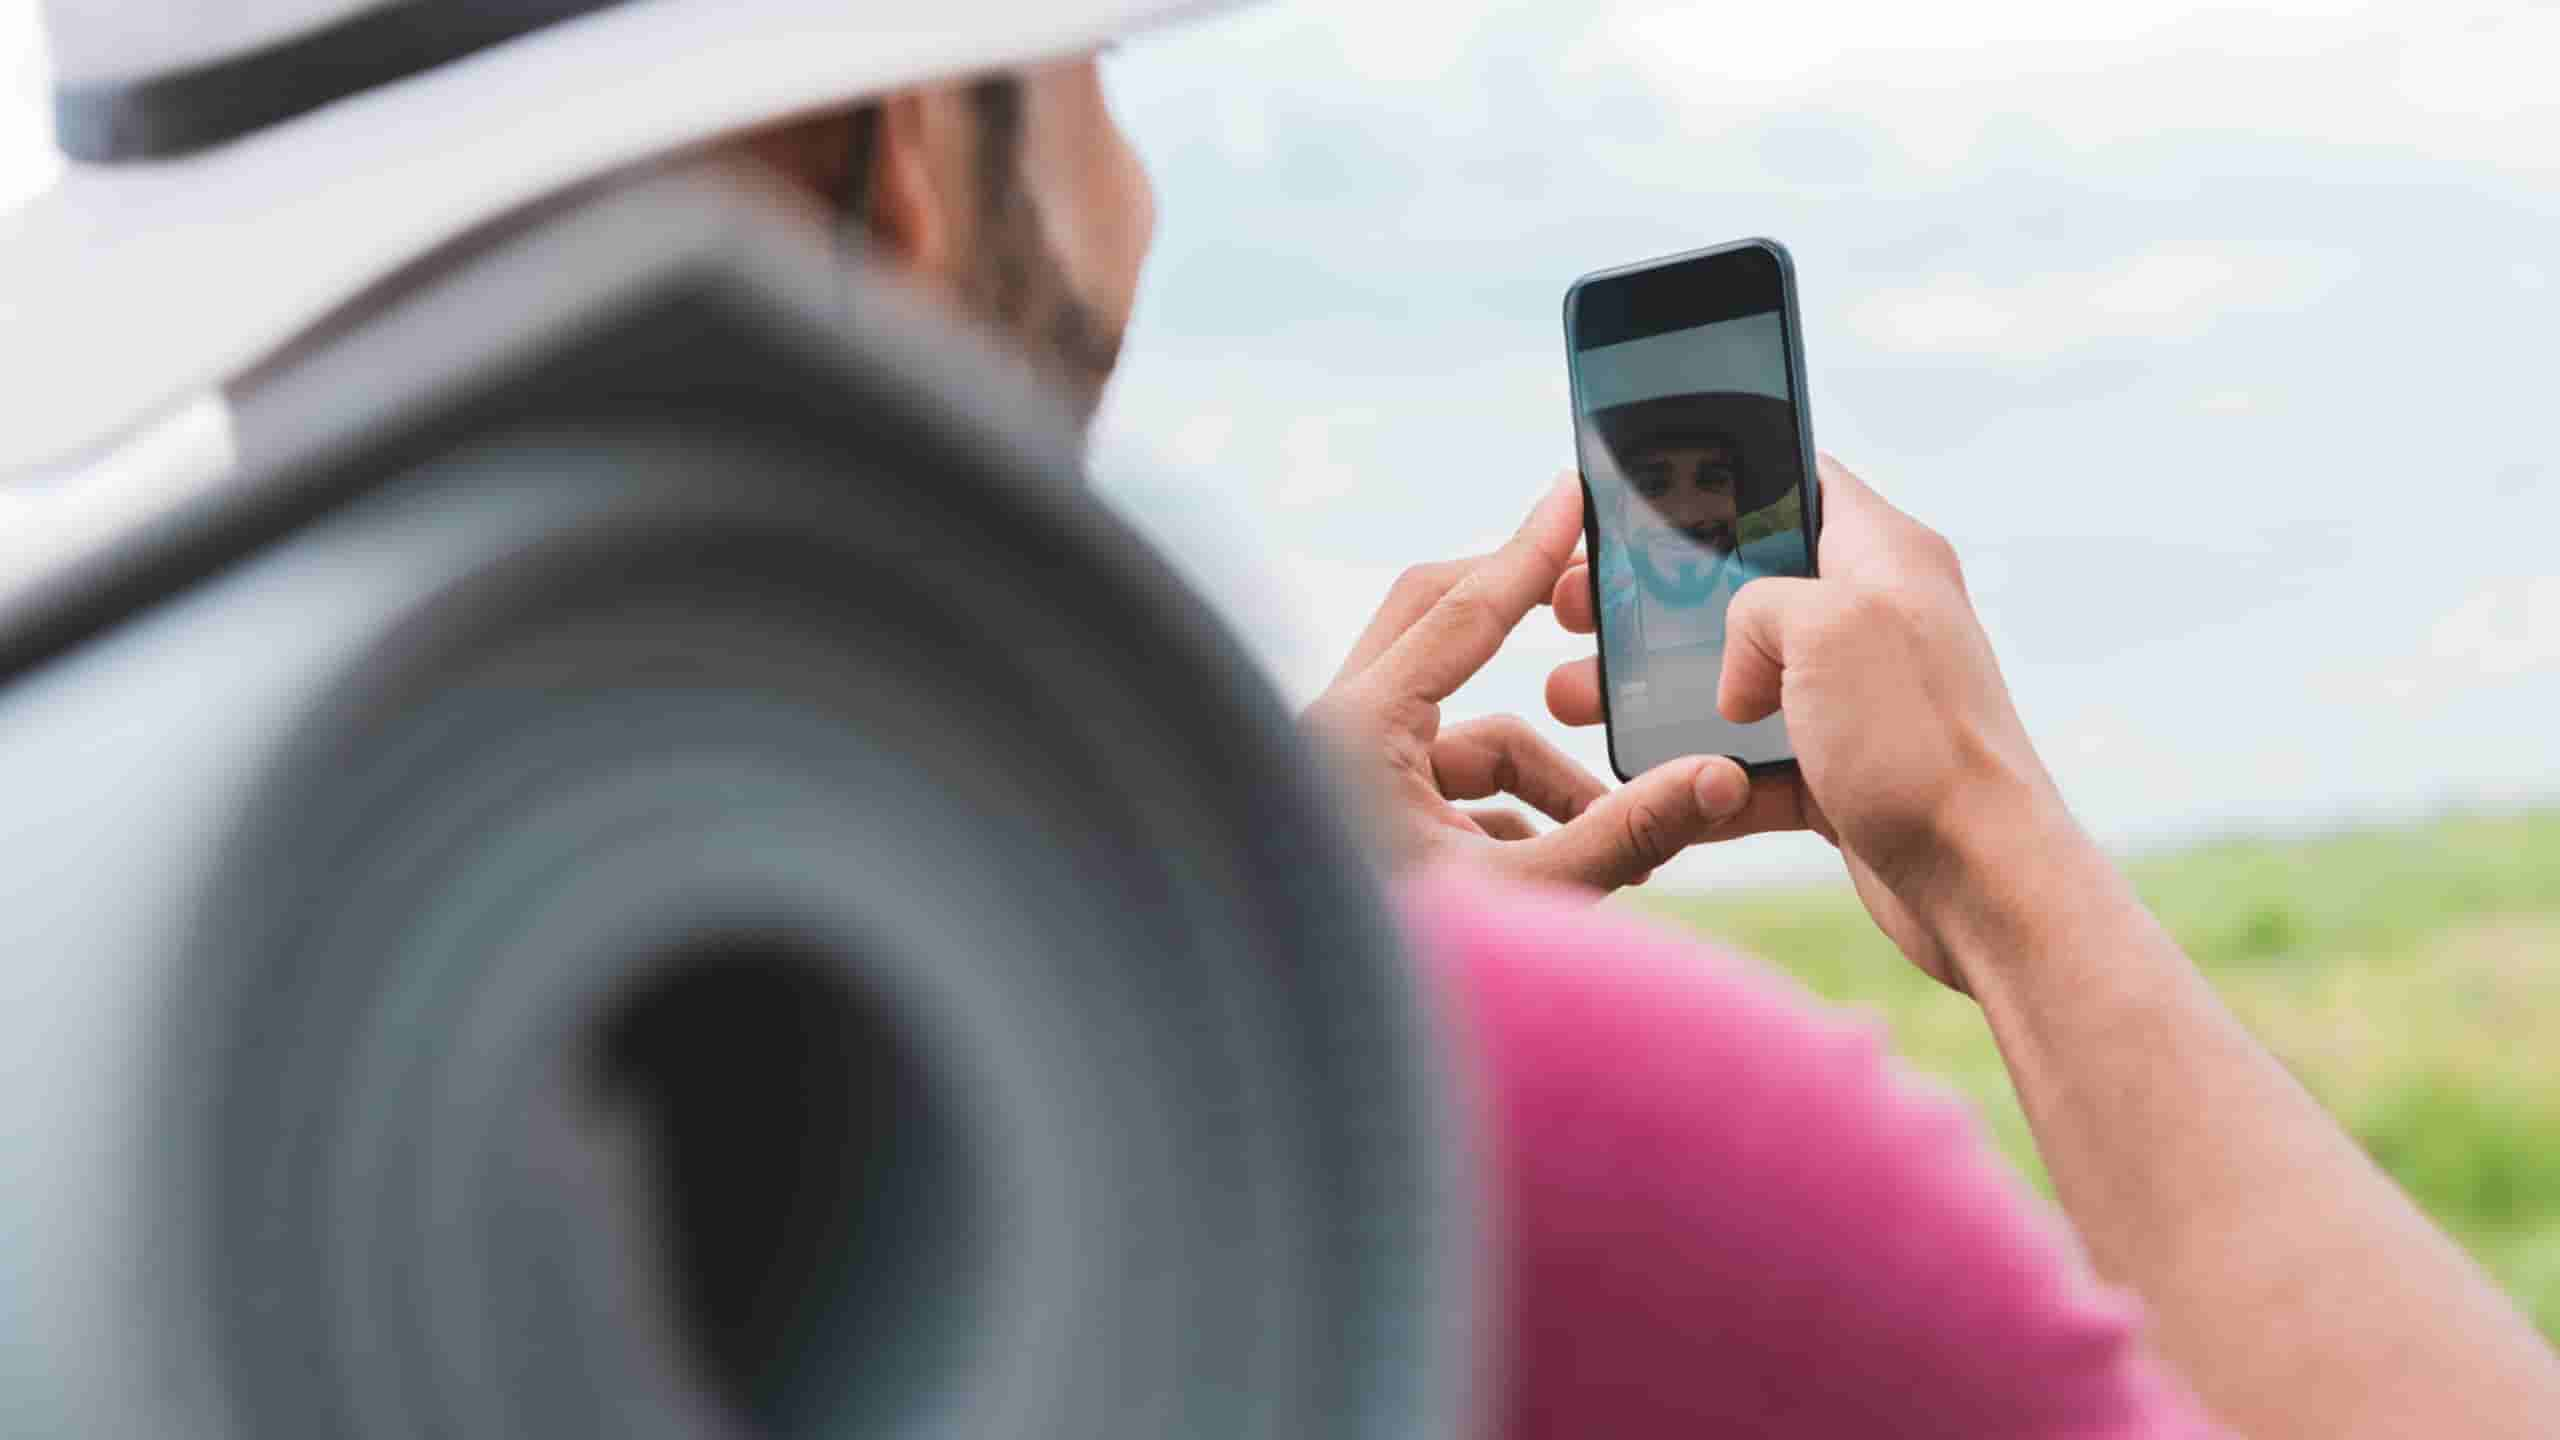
[2216, 338]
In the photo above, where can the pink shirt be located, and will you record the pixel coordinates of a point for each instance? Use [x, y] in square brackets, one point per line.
[1721, 1211]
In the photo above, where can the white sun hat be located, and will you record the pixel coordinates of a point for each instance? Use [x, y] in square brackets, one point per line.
[240, 168]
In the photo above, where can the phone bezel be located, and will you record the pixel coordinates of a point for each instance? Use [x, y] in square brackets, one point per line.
[1808, 484]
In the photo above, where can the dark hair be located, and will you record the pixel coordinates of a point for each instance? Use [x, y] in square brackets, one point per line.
[1010, 252]
[861, 152]
[998, 101]
[1010, 279]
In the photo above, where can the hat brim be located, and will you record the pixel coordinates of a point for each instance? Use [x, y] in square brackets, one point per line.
[1764, 426]
[126, 289]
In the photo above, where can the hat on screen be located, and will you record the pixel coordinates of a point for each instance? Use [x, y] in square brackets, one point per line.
[1763, 426]
[239, 168]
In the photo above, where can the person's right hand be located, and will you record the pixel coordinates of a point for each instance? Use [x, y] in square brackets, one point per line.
[1910, 756]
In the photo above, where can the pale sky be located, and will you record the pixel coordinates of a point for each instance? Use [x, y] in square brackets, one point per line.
[2216, 337]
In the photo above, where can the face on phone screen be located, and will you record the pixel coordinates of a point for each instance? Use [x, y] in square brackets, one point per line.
[1690, 444]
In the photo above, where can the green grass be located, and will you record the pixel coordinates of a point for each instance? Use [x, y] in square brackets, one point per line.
[2410, 977]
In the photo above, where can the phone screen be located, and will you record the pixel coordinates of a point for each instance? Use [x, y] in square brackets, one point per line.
[1695, 455]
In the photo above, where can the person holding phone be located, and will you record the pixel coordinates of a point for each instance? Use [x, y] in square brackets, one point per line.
[2289, 1282]
[1678, 1140]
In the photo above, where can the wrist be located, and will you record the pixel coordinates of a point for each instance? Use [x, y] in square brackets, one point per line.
[2016, 874]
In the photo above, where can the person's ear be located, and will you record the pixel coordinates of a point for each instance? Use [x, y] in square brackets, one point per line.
[905, 206]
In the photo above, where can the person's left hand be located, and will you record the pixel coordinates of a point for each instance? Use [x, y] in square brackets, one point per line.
[1438, 627]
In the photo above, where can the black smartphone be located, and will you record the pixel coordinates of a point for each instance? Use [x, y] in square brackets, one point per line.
[1697, 477]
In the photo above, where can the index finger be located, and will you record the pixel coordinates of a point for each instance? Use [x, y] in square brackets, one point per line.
[1458, 634]
[1409, 599]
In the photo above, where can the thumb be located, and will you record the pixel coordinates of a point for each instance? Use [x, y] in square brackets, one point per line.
[1755, 645]
[1635, 827]
[1845, 492]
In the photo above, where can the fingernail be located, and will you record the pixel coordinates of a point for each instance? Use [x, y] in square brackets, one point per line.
[1722, 789]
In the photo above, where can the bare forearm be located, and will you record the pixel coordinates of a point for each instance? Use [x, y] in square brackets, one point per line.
[2290, 1280]
[2287, 1277]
